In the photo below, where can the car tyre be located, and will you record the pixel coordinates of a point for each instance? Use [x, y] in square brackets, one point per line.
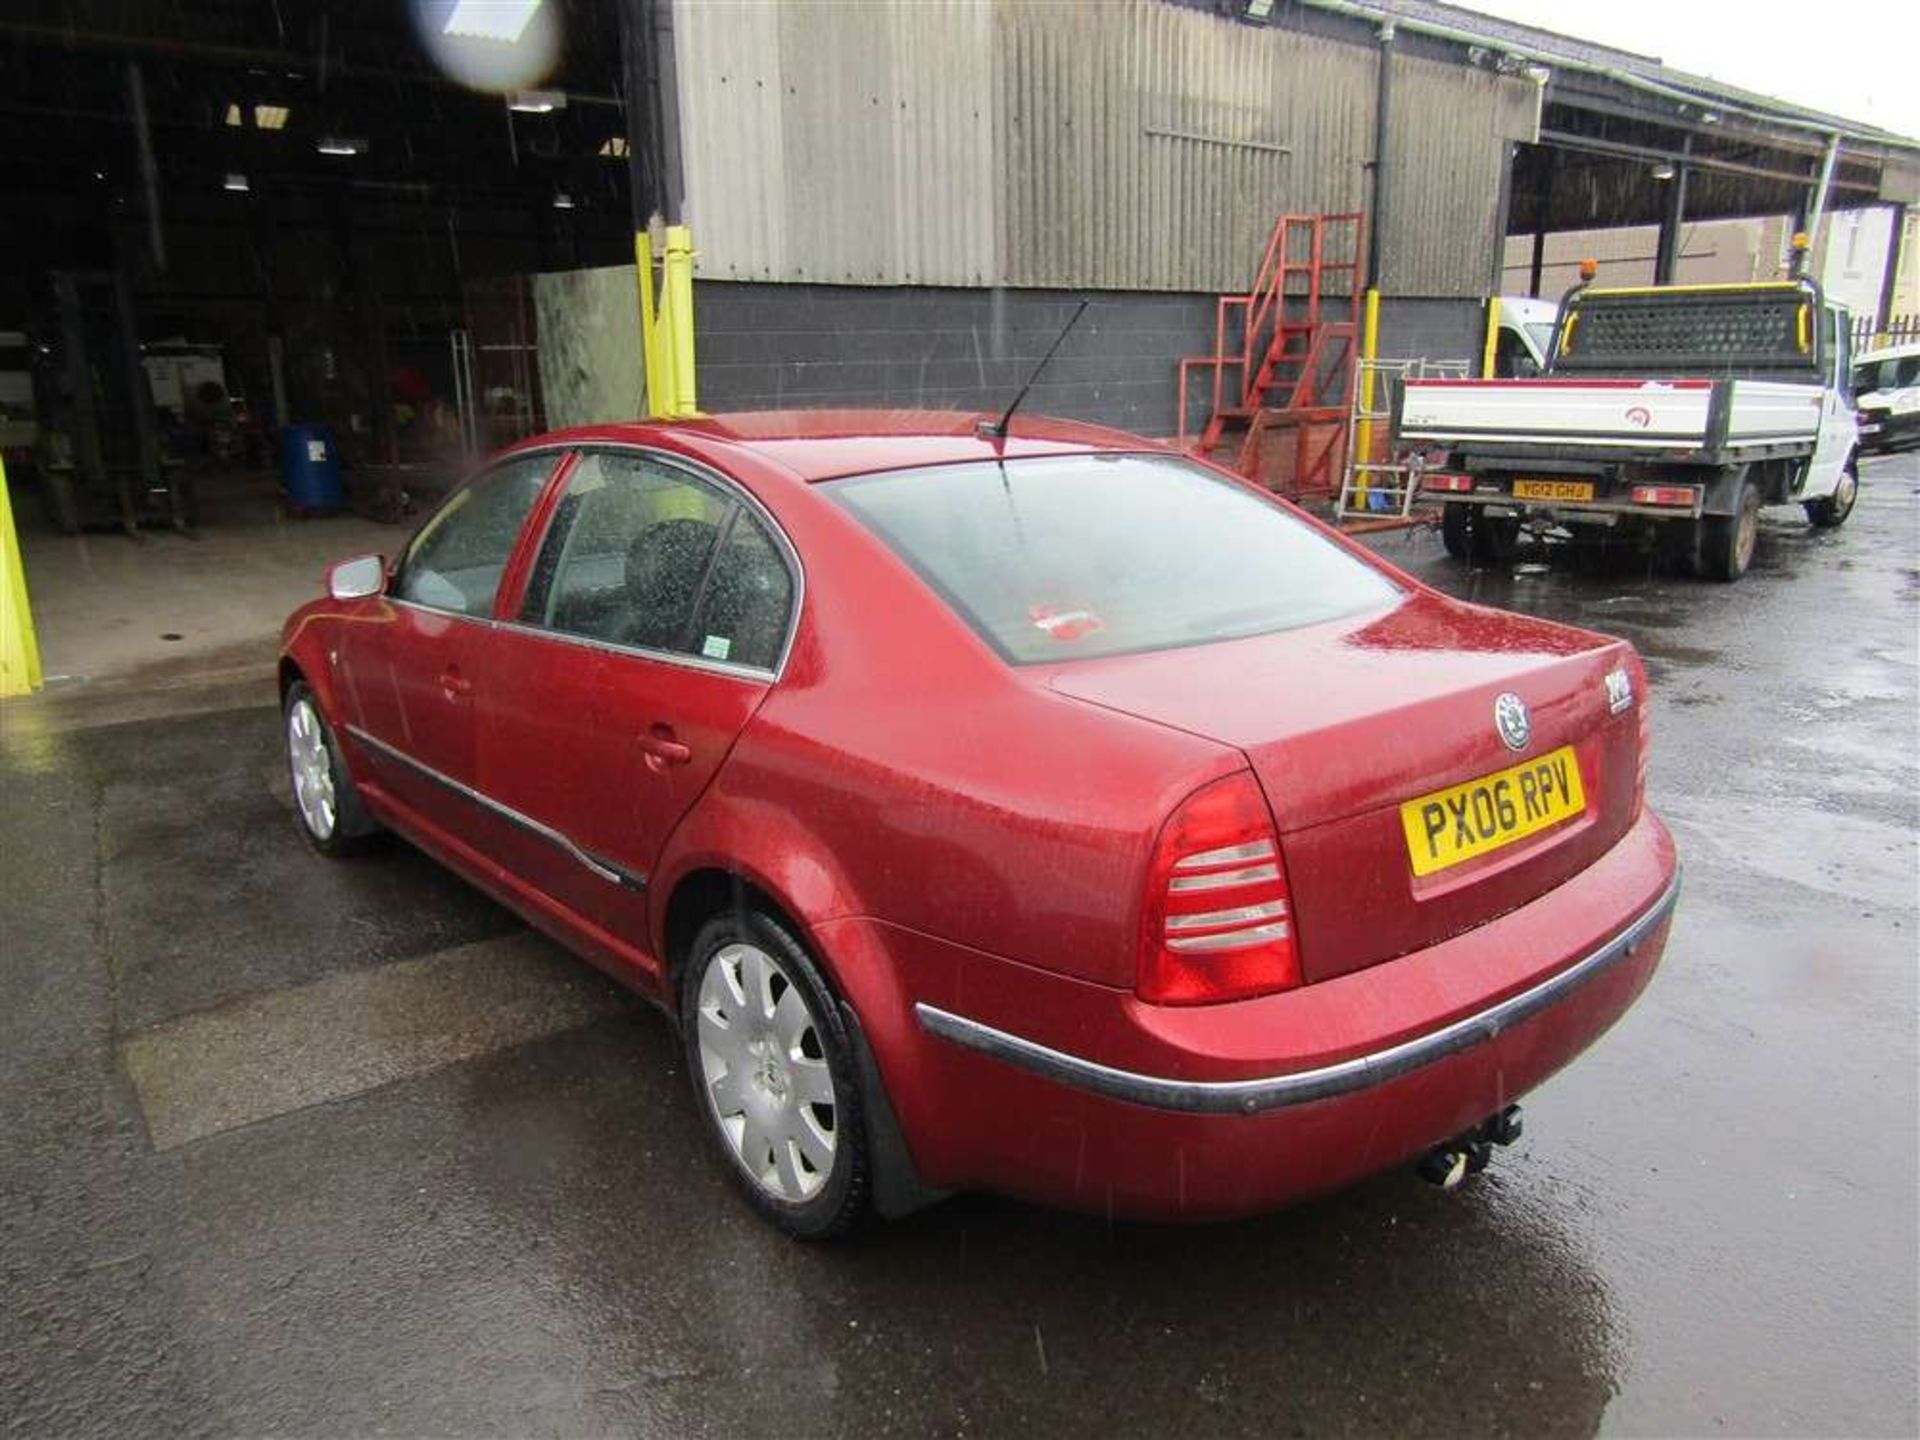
[1469, 533]
[326, 802]
[1831, 511]
[774, 1075]
[1727, 542]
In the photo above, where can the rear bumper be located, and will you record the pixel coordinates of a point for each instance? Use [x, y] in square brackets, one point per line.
[1300, 1087]
[1025, 1082]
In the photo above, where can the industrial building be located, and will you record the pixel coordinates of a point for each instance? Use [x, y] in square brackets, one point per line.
[229, 228]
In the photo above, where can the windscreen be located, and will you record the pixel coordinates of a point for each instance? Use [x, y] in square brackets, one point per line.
[1082, 555]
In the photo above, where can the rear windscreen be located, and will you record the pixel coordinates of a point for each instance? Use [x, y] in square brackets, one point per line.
[1770, 330]
[1073, 556]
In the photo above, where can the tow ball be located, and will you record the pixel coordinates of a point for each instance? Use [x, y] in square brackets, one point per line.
[1471, 1151]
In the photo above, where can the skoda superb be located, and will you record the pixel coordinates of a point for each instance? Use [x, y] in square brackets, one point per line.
[1051, 814]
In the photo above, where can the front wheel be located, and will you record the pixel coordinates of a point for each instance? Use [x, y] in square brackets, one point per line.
[1727, 541]
[325, 799]
[1831, 511]
[773, 1068]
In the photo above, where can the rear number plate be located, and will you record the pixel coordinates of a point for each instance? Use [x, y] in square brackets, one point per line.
[1458, 823]
[1553, 490]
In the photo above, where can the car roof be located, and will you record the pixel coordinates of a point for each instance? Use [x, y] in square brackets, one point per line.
[826, 444]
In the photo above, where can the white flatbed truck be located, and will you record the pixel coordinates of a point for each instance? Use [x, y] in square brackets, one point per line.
[1674, 412]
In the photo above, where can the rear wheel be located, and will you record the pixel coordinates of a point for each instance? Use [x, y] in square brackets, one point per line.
[773, 1068]
[1727, 541]
[1831, 511]
[1469, 533]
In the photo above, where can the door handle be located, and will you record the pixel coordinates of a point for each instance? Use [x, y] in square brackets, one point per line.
[662, 750]
[456, 685]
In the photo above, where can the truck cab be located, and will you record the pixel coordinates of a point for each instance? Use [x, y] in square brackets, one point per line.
[1671, 413]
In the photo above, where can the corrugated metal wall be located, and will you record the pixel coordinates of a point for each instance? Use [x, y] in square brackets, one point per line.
[1132, 145]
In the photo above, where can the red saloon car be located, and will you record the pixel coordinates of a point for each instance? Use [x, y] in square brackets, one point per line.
[1053, 814]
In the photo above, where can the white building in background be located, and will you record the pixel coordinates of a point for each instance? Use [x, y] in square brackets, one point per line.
[1850, 257]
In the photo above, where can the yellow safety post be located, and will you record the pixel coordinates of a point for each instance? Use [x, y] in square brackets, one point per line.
[19, 650]
[1493, 336]
[649, 326]
[666, 325]
[677, 287]
[1369, 347]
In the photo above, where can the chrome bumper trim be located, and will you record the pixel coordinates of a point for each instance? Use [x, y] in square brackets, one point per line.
[1247, 1097]
[605, 869]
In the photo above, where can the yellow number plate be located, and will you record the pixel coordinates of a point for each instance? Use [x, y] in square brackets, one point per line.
[1456, 824]
[1553, 490]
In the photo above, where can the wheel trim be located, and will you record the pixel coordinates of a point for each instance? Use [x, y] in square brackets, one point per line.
[765, 1075]
[311, 762]
[1848, 492]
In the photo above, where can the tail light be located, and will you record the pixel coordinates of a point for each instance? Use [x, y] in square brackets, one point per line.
[1217, 924]
[1453, 483]
[1665, 495]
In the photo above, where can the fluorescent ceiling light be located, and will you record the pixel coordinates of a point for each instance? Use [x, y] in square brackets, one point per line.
[537, 102]
[236, 182]
[233, 114]
[340, 145]
[503, 21]
[270, 117]
[615, 148]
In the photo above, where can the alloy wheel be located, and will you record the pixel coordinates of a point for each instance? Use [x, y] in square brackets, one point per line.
[765, 1073]
[311, 762]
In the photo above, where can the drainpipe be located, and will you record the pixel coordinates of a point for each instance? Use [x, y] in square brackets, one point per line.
[1376, 215]
[1382, 102]
[1817, 207]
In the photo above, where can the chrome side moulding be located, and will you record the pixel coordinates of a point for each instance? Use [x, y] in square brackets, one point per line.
[1248, 1097]
[613, 874]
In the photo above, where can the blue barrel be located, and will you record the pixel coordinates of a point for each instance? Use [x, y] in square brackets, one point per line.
[310, 467]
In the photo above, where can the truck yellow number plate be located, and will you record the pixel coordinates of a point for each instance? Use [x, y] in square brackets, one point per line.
[1463, 821]
[1553, 490]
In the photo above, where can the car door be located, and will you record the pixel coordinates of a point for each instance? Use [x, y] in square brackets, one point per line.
[1839, 426]
[654, 616]
[415, 672]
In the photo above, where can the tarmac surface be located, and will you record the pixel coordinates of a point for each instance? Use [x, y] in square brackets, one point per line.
[332, 1149]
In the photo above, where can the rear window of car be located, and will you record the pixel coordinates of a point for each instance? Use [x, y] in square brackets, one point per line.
[1076, 556]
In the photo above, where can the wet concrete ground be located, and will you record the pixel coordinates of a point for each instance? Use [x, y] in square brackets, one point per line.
[491, 1213]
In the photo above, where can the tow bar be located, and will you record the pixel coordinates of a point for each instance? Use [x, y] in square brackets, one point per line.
[1471, 1151]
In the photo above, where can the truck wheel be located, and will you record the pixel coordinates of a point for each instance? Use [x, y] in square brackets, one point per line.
[1469, 533]
[1831, 511]
[1727, 541]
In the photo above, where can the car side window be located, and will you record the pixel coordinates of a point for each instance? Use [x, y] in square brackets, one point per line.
[627, 555]
[456, 561]
[749, 597]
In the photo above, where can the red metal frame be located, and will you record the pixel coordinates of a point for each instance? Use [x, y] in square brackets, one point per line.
[1295, 365]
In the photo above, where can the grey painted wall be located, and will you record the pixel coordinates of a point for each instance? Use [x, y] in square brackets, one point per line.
[782, 346]
[804, 346]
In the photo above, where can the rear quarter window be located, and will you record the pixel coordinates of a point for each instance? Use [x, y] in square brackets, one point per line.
[1077, 556]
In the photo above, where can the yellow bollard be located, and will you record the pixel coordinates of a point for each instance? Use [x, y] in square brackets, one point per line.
[19, 650]
[1363, 442]
[659, 392]
[678, 290]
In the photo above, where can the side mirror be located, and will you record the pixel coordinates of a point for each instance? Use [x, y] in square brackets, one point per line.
[357, 578]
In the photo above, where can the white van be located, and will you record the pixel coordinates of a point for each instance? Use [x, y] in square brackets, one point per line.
[1886, 389]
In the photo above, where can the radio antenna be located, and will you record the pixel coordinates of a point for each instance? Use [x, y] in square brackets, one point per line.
[997, 429]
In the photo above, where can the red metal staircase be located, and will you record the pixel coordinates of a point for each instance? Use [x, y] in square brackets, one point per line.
[1291, 343]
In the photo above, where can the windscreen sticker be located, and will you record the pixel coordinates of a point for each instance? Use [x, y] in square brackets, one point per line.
[1065, 624]
[716, 647]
